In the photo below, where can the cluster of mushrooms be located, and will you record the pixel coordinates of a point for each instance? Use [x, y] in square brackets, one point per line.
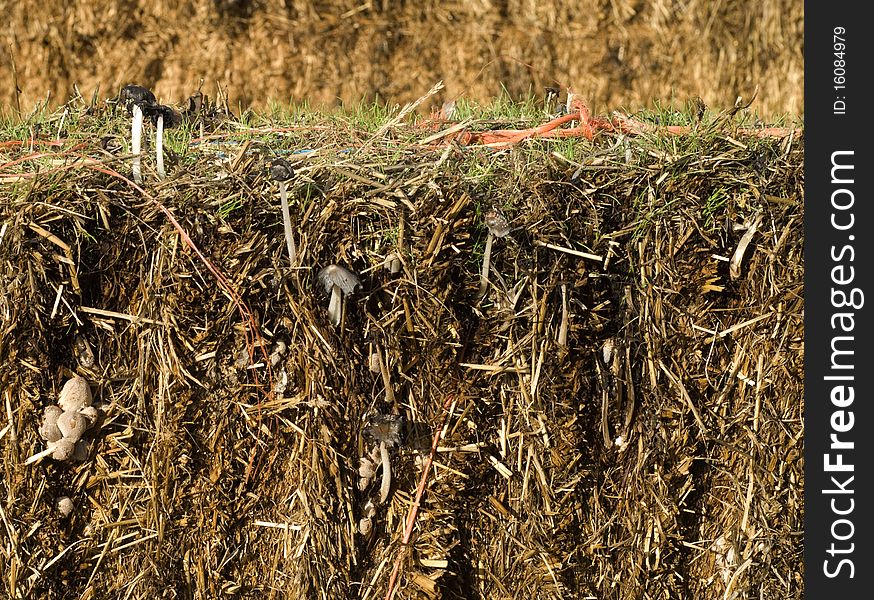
[385, 431]
[140, 102]
[64, 424]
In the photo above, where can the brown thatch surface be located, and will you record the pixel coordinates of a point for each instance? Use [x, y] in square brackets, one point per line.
[623, 422]
[613, 53]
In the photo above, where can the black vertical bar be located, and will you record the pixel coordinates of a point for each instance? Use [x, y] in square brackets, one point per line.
[839, 562]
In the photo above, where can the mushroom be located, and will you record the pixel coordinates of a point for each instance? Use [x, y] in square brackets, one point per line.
[65, 506]
[48, 430]
[72, 425]
[339, 282]
[135, 99]
[75, 395]
[365, 524]
[62, 449]
[387, 430]
[281, 171]
[498, 227]
[161, 116]
[392, 263]
[135, 94]
[63, 425]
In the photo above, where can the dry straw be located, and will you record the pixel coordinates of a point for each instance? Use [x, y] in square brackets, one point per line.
[624, 416]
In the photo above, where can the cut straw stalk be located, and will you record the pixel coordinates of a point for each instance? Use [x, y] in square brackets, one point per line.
[136, 141]
[286, 223]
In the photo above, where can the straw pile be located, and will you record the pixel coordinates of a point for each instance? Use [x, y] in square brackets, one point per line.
[614, 53]
[621, 412]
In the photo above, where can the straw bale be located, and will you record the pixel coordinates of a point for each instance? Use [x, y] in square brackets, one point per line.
[624, 426]
[613, 53]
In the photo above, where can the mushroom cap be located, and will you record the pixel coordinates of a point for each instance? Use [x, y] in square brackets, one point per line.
[63, 449]
[386, 428]
[81, 450]
[392, 263]
[75, 395]
[497, 223]
[281, 170]
[65, 506]
[365, 524]
[90, 413]
[48, 430]
[333, 275]
[135, 94]
[154, 110]
[72, 425]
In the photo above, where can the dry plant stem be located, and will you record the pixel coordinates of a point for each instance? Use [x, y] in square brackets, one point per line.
[414, 509]
[385, 487]
[738, 256]
[159, 147]
[286, 223]
[136, 135]
[487, 257]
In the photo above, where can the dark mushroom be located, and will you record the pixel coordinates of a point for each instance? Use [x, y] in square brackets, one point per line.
[161, 117]
[131, 95]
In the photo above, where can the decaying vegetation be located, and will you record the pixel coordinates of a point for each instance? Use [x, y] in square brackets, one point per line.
[617, 416]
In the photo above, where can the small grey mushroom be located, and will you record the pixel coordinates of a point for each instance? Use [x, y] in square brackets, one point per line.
[388, 431]
[497, 223]
[72, 425]
[365, 524]
[339, 282]
[65, 506]
[162, 117]
[91, 414]
[48, 430]
[366, 468]
[392, 263]
[132, 94]
[281, 170]
[62, 449]
[75, 395]
[81, 451]
[498, 227]
[386, 428]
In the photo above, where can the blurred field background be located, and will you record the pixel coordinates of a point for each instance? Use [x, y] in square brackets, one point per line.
[615, 54]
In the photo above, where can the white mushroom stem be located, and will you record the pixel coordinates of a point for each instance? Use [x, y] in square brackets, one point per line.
[487, 257]
[386, 473]
[42, 454]
[335, 306]
[286, 222]
[159, 147]
[136, 135]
